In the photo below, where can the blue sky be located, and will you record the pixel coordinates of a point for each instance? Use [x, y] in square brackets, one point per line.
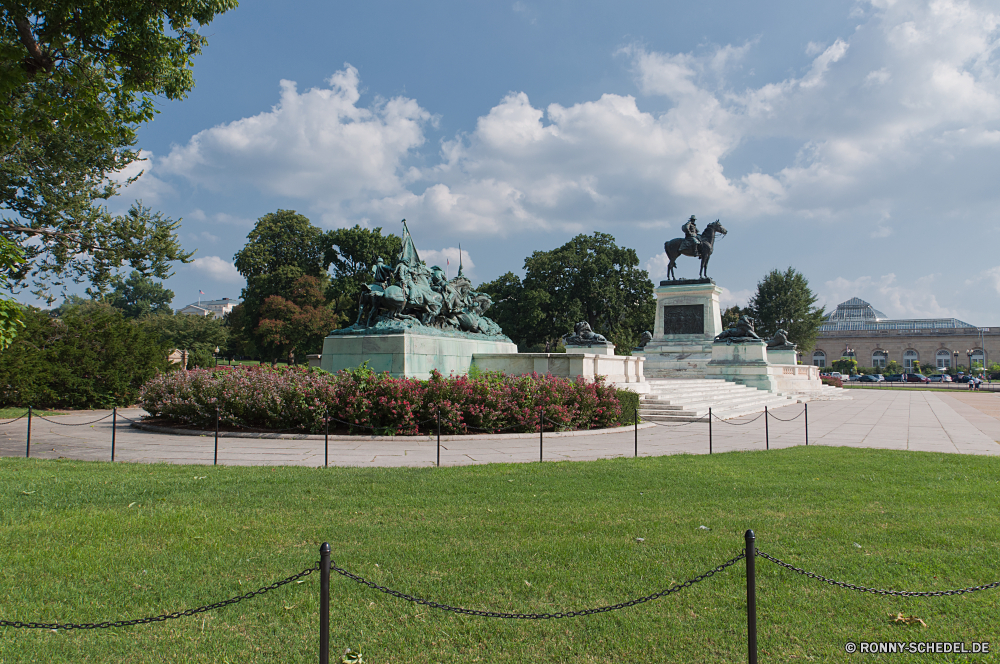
[858, 142]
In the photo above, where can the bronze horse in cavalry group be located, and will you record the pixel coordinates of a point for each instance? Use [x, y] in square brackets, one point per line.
[694, 245]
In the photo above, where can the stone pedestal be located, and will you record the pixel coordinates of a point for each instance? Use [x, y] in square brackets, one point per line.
[744, 363]
[688, 318]
[782, 356]
[406, 353]
[622, 371]
[591, 350]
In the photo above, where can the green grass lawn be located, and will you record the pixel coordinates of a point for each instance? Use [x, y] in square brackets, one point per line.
[8, 413]
[88, 542]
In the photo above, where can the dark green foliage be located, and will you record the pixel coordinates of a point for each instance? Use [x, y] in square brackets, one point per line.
[199, 335]
[76, 81]
[846, 366]
[732, 315]
[350, 254]
[629, 401]
[589, 278]
[90, 357]
[784, 301]
[140, 296]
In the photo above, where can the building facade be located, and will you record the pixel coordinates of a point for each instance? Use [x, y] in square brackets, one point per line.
[213, 308]
[859, 331]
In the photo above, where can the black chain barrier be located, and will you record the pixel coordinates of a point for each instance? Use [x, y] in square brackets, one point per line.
[876, 591]
[738, 424]
[790, 419]
[163, 616]
[703, 418]
[536, 616]
[74, 424]
[15, 419]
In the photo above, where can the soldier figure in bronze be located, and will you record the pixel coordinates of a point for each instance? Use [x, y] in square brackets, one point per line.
[694, 245]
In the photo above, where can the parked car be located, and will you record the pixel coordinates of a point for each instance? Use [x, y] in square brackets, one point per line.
[940, 378]
[963, 379]
[917, 378]
[855, 377]
[837, 374]
[870, 378]
[895, 378]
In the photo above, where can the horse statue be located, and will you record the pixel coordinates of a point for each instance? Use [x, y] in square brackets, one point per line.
[676, 247]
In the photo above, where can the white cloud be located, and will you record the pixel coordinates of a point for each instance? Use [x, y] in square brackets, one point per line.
[738, 298]
[317, 145]
[914, 300]
[148, 188]
[218, 269]
[441, 258]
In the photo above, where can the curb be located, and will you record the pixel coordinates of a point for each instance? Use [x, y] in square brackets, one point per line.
[423, 437]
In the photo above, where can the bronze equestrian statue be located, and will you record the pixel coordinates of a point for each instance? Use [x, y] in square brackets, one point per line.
[692, 244]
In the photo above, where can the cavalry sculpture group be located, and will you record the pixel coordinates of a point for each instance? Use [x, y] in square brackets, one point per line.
[409, 290]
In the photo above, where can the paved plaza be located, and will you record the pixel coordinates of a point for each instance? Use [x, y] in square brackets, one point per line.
[964, 423]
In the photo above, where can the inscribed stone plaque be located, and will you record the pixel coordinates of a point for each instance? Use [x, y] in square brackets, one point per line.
[684, 319]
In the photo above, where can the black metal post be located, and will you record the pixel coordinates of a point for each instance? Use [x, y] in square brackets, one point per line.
[541, 428]
[215, 459]
[326, 442]
[439, 434]
[806, 405]
[114, 426]
[709, 429]
[324, 603]
[637, 433]
[27, 449]
[751, 554]
[767, 436]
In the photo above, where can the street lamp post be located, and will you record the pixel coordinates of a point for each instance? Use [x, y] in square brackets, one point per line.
[954, 368]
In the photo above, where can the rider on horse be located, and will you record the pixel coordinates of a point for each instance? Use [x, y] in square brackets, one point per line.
[691, 237]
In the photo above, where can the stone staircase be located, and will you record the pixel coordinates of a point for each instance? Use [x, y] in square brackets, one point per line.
[687, 399]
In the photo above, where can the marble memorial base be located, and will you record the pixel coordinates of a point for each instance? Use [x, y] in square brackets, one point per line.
[688, 318]
[622, 371]
[407, 353]
[752, 364]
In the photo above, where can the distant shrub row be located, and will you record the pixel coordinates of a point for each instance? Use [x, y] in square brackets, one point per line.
[299, 398]
[90, 357]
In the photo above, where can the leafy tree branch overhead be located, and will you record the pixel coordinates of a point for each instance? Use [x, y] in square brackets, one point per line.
[76, 81]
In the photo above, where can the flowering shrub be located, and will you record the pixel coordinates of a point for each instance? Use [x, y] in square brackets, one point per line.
[364, 401]
[832, 381]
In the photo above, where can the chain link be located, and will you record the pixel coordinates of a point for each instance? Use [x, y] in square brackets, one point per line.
[775, 417]
[703, 418]
[737, 424]
[164, 616]
[536, 616]
[14, 420]
[74, 424]
[876, 591]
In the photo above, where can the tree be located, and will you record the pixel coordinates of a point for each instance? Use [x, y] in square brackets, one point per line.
[89, 357]
[282, 247]
[11, 313]
[845, 365]
[140, 296]
[784, 301]
[732, 314]
[199, 335]
[76, 81]
[590, 279]
[351, 252]
[293, 327]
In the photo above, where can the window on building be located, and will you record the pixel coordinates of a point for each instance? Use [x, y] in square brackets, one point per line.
[978, 356]
[943, 359]
[819, 359]
[880, 358]
[909, 357]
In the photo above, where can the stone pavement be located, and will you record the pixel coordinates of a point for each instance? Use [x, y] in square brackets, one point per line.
[965, 423]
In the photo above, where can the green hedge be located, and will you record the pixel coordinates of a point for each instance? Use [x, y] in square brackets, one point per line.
[90, 357]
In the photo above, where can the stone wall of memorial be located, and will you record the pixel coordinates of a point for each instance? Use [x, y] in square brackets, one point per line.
[900, 345]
